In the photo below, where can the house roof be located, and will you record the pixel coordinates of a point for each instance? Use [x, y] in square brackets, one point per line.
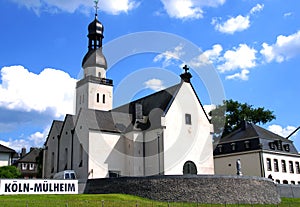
[31, 156]
[259, 137]
[5, 149]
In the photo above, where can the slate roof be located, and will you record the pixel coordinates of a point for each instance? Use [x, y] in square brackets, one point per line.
[258, 137]
[5, 149]
[160, 100]
[31, 156]
[106, 120]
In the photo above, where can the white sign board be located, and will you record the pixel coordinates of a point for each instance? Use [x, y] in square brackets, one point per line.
[23, 186]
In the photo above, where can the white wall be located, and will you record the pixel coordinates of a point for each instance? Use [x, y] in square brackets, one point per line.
[280, 175]
[106, 152]
[5, 159]
[183, 142]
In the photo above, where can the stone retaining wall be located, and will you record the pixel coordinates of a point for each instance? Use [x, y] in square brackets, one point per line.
[201, 188]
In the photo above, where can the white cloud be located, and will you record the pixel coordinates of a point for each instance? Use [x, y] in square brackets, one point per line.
[154, 84]
[208, 57]
[288, 14]
[16, 144]
[243, 75]
[109, 6]
[233, 24]
[277, 129]
[257, 8]
[286, 47]
[188, 9]
[236, 24]
[50, 91]
[242, 57]
[169, 56]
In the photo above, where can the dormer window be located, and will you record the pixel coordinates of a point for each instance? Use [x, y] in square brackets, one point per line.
[272, 145]
[188, 119]
[233, 146]
[286, 147]
[247, 144]
[220, 147]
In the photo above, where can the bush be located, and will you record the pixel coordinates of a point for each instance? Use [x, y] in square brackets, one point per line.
[9, 172]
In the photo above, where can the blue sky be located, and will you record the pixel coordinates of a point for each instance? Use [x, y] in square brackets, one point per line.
[252, 45]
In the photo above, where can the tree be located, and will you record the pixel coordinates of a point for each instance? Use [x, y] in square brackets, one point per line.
[9, 172]
[228, 117]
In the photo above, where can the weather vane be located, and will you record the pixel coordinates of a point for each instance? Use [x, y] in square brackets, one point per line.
[96, 6]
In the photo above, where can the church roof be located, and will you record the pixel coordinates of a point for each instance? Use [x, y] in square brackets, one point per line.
[258, 137]
[56, 126]
[159, 100]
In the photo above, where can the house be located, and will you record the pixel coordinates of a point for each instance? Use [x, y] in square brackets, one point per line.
[6, 155]
[28, 163]
[260, 153]
[165, 133]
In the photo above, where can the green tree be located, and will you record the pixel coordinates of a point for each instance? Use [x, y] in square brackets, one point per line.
[9, 172]
[228, 117]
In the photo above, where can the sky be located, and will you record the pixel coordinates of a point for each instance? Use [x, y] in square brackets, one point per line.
[245, 50]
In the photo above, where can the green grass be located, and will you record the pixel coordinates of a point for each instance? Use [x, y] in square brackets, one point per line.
[110, 200]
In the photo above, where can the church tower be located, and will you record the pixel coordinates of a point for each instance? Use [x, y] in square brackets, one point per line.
[94, 91]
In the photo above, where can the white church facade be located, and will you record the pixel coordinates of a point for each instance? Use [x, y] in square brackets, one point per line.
[165, 133]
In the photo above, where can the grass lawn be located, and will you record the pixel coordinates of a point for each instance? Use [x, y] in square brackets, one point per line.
[109, 200]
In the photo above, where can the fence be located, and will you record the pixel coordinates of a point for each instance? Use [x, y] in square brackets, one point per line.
[102, 203]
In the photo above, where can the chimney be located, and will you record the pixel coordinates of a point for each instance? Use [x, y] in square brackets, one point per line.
[23, 152]
[244, 125]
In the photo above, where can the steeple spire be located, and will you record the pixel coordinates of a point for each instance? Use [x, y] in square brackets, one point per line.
[96, 7]
[186, 76]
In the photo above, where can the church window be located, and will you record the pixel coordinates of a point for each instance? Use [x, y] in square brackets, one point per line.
[66, 158]
[283, 165]
[276, 168]
[103, 98]
[188, 119]
[98, 98]
[285, 182]
[80, 155]
[293, 182]
[52, 162]
[99, 74]
[297, 167]
[291, 166]
[278, 181]
[269, 166]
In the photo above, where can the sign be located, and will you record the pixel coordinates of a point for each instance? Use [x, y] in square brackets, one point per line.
[23, 186]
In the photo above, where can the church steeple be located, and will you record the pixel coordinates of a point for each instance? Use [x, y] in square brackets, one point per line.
[94, 91]
[186, 76]
[94, 56]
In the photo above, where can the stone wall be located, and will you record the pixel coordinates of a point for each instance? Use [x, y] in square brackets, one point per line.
[202, 189]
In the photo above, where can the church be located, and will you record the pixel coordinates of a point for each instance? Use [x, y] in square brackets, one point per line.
[165, 133]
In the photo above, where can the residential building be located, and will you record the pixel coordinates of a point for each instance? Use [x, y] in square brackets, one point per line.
[260, 152]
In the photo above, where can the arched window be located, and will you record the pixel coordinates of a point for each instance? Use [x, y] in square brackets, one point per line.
[189, 168]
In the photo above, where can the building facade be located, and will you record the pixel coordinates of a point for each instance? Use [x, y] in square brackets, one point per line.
[6, 155]
[260, 152]
[165, 133]
[28, 163]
